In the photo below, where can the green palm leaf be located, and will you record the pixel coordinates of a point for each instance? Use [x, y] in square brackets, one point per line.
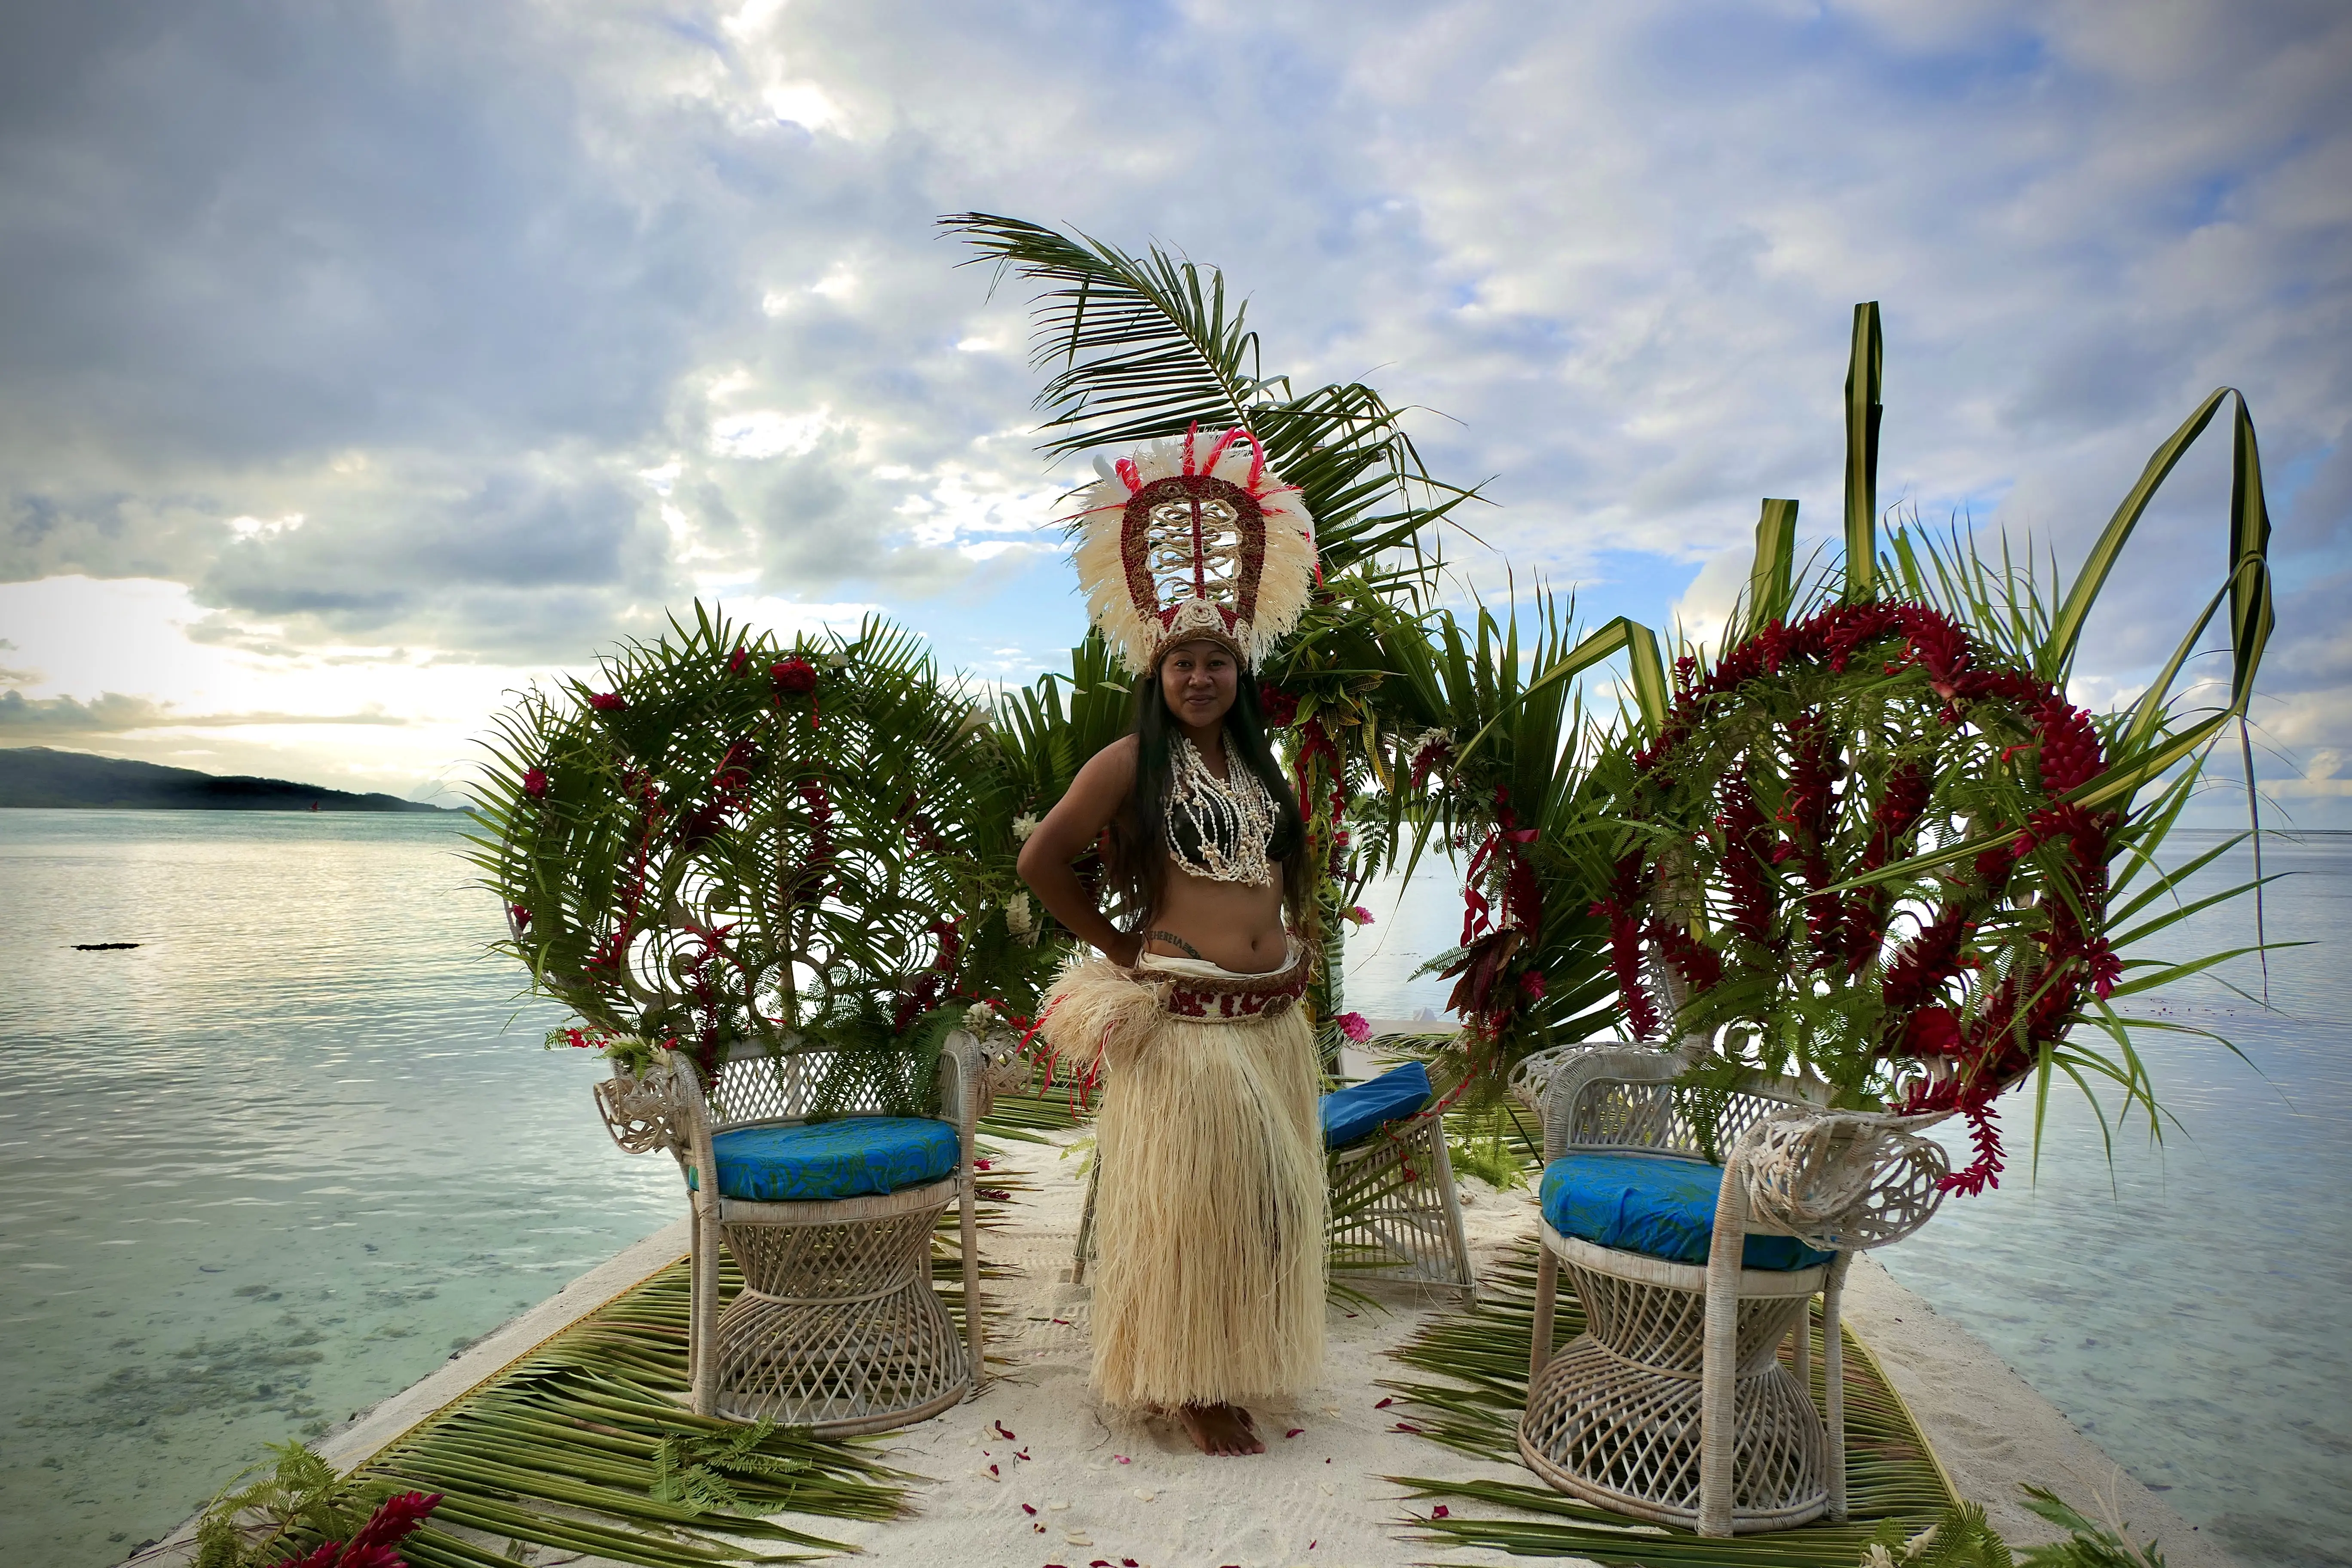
[1468, 1383]
[1140, 348]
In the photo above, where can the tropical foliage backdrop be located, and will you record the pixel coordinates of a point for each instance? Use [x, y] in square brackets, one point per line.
[725, 836]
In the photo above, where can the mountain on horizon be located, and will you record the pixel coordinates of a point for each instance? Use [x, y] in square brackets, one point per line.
[42, 777]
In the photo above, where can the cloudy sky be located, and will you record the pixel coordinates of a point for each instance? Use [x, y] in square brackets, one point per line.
[361, 362]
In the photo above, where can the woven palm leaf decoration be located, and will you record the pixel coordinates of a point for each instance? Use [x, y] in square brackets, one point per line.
[1872, 841]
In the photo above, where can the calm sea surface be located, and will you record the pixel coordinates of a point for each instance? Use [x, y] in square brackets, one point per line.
[288, 1154]
[272, 1166]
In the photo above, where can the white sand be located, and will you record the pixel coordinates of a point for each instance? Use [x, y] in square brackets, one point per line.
[1317, 1499]
[1109, 1490]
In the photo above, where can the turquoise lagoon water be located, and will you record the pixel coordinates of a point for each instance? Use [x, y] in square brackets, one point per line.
[284, 1157]
[274, 1164]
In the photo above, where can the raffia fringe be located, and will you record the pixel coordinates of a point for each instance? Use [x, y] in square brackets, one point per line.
[1210, 1217]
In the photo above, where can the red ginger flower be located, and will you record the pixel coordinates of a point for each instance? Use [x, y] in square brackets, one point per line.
[739, 661]
[2070, 746]
[1939, 648]
[1933, 1032]
[794, 676]
[1434, 753]
[1746, 835]
[534, 783]
[371, 1547]
[1279, 707]
[735, 767]
[607, 702]
[2105, 967]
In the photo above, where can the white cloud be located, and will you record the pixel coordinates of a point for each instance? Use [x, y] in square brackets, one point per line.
[762, 433]
[554, 317]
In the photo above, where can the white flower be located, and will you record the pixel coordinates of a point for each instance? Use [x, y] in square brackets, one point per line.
[1018, 919]
[980, 1017]
[1023, 827]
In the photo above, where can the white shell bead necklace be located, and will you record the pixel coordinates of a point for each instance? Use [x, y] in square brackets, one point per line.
[1229, 822]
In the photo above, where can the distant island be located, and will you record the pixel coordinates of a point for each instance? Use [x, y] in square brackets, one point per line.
[38, 776]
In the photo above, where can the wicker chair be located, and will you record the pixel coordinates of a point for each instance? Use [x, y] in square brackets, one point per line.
[1673, 1405]
[837, 1327]
[1394, 1210]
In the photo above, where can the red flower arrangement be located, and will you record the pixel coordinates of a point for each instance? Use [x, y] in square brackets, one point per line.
[1816, 754]
[794, 676]
[371, 1545]
[726, 870]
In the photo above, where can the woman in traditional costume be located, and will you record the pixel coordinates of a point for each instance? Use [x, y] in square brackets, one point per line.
[1208, 1218]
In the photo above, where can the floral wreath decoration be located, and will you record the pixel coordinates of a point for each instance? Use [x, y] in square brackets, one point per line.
[679, 864]
[1929, 734]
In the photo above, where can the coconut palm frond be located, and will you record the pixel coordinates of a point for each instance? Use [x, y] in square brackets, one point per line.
[1471, 1386]
[1052, 728]
[582, 1447]
[1504, 784]
[1022, 1117]
[1139, 348]
[587, 1445]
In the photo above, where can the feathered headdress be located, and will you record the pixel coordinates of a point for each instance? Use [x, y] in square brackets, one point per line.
[1192, 538]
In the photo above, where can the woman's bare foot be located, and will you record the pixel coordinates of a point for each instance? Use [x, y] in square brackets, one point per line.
[1221, 1429]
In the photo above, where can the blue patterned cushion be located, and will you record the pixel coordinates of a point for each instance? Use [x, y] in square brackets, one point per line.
[844, 1159]
[1357, 1111]
[1659, 1207]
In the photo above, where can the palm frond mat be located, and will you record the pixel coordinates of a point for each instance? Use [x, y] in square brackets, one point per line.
[583, 1447]
[1482, 1357]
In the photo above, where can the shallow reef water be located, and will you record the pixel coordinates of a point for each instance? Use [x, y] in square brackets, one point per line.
[301, 1144]
[271, 1165]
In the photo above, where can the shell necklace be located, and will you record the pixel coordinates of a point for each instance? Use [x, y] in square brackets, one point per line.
[1217, 828]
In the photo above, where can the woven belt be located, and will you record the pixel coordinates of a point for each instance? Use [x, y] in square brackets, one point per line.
[1235, 998]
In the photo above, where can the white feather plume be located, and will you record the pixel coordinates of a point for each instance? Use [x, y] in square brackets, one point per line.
[1285, 581]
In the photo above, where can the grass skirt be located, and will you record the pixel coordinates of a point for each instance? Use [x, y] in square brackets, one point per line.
[1209, 1217]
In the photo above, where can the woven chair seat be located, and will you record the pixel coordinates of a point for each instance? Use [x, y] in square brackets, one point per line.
[854, 1157]
[838, 1328]
[1356, 1112]
[1658, 1205]
[1395, 1213]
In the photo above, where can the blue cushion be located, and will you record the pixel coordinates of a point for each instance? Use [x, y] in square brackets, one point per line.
[1357, 1111]
[1656, 1205]
[844, 1159]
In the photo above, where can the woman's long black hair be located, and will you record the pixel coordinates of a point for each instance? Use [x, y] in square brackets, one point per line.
[1139, 861]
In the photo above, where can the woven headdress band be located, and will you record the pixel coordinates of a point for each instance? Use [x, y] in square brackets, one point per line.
[1193, 539]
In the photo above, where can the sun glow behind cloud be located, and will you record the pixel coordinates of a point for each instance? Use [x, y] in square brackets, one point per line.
[499, 343]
